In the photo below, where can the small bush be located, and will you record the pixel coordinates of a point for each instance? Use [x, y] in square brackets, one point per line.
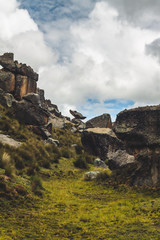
[9, 170]
[103, 176]
[79, 149]
[19, 163]
[80, 162]
[36, 183]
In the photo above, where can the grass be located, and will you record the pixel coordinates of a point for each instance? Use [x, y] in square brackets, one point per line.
[65, 206]
[72, 208]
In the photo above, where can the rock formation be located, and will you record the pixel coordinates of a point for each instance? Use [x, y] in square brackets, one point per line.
[139, 129]
[120, 159]
[77, 115]
[103, 121]
[99, 141]
[16, 78]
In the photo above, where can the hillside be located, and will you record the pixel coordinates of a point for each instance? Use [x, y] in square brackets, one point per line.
[53, 187]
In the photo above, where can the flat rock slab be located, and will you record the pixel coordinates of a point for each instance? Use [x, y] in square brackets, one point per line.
[5, 139]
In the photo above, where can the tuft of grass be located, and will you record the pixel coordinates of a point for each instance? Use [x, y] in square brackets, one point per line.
[80, 162]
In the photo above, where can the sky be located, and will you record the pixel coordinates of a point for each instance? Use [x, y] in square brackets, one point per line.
[92, 56]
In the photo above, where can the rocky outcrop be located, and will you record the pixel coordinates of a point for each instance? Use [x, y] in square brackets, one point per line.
[6, 99]
[99, 141]
[28, 111]
[77, 115]
[16, 78]
[139, 129]
[103, 121]
[120, 159]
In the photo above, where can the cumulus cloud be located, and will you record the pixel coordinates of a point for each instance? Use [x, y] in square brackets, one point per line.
[143, 13]
[107, 61]
[20, 34]
[106, 53]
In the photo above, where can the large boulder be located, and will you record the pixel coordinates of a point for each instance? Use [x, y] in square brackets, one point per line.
[120, 159]
[30, 114]
[139, 129]
[99, 141]
[103, 121]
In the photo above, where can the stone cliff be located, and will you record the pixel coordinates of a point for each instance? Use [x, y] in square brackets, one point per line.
[17, 78]
[139, 129]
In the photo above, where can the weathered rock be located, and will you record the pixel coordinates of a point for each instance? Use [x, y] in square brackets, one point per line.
[32, 98]
[7, 81]
[40, 92]
[139, 129]
[99, 163]
[6, 99]
[98, 141]
[91, 175]
[53, 141]
[103, 121]
[30, 114]
[8, 63]
[120, 159]
[58, 122]
[15, 78]
[148, 170]
[77, 114]
[5, 139]
[52, 108]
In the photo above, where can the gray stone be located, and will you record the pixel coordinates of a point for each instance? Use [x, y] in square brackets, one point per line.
[5, 139]
[30, 114]
[91, 175]
[98, 141]
[32, 98]
[99, 163]
[53, 141]
[120, 159]
[77, 114]
[103, 121]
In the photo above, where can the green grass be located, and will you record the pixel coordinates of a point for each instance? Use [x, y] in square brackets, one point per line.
[66, 206]
[72, 208]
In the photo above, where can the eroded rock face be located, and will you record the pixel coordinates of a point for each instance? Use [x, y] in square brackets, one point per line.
[139, 129]
[30, 114]
[103, 121]
[99, 141]
[15, 78]
[120, 159]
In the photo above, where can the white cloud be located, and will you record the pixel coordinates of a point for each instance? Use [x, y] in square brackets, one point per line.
[107, 61]
[100, 57]
[20, 34]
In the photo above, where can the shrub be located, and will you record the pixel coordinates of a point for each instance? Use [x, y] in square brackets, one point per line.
[79, 149]
[103, 176]
[9, 170]
[36, 183]
[80, 162]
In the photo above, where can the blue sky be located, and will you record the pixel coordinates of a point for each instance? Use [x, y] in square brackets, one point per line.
[92, 56]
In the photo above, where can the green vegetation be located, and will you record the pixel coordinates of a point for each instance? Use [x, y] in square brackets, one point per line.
[44, 195]
[72, 208]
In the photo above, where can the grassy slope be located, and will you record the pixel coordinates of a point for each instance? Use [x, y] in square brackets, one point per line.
[72, 208]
